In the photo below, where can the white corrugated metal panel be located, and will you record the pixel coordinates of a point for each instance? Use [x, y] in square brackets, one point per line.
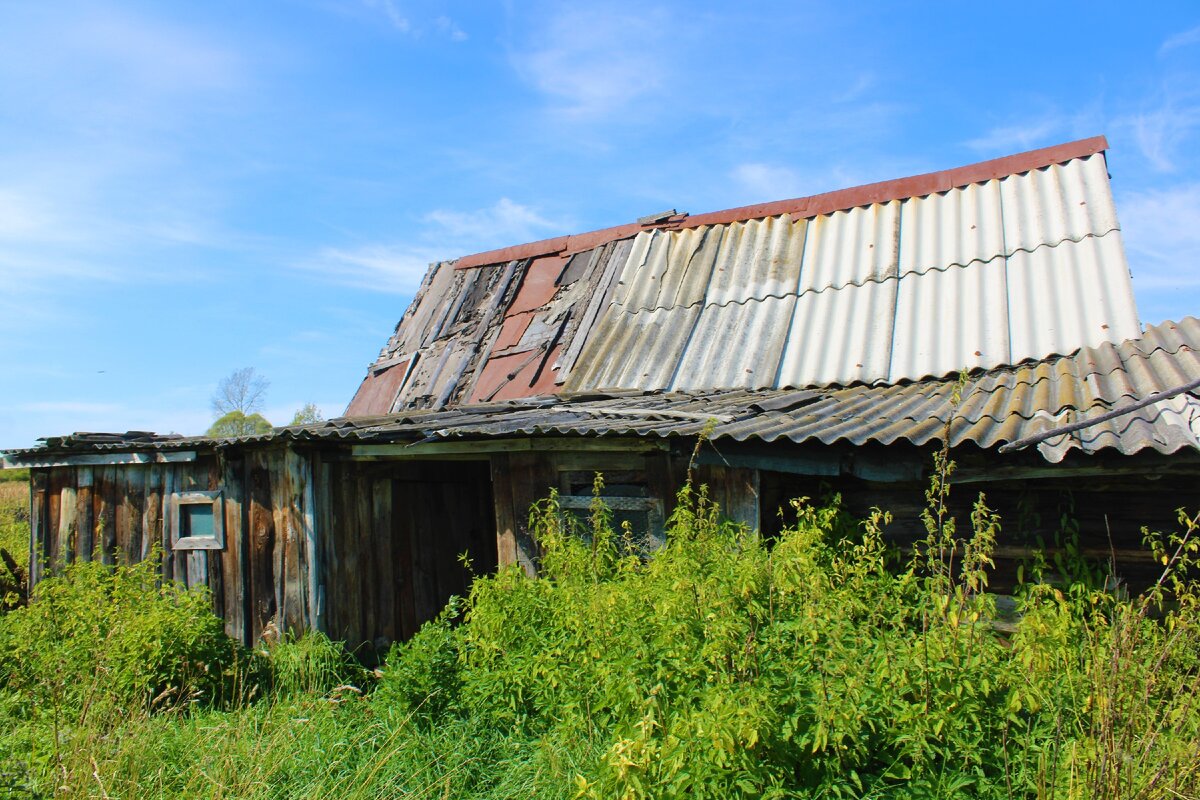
[1057, 203]
[851, 247]
[951, 319]
[839, 336]
[1077, 294]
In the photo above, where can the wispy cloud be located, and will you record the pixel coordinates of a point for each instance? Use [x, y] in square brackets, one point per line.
[1163, 131]
[592, 61]
[450, 28]
[1161, 230]
[384, 268]
[768, 181]
[391, 13]
[506, 222]
[446, 234]
[1181, 39]
[1019, 136]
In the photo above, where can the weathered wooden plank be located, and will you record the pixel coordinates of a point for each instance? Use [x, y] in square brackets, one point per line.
[312, 555]
[151, 509]
[346, 594]
[381, 523]
[327, 564]
[134, 507]
[533, 475]
[170, 485]
[403, 523]
[57, 480]
[197, 569]
[262, 535]
[422, 501]
[64, 546]
[284, 535]
[97, 459]
[368, 587]
[506, 518]
[487, 446]
[234, 557]
[106, 499]
[85, 524]
[294, 582]
[39, 549]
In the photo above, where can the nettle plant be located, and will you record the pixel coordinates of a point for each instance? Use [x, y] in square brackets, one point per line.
[816, 665]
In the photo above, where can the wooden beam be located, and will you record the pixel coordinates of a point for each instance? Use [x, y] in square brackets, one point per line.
[484, 447]
[87, 459]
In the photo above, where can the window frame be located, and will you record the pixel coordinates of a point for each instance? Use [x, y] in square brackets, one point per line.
[217, 502]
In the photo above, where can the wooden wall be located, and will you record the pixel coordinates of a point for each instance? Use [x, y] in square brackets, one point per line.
[1102, 515]
[116, 513]
[366, 547]
[395, 530]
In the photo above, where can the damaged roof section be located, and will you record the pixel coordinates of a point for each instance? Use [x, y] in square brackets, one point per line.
[987, 265]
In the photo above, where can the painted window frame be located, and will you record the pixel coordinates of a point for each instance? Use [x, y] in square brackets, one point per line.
[214, 542]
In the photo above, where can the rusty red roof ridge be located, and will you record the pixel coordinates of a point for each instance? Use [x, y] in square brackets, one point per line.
[810, 206]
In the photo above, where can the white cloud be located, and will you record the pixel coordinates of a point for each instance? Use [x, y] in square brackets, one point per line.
[592, 61]
[1181, 39]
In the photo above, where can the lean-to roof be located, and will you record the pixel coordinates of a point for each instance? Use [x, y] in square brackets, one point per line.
[998, 406]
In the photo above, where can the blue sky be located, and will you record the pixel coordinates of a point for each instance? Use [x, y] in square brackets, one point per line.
[190, 188]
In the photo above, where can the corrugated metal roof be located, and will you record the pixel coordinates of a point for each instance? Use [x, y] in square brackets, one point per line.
[997, 406]
[988, 274]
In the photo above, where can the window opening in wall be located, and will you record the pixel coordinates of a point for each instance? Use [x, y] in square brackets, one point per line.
[626, 494]
[197, 521]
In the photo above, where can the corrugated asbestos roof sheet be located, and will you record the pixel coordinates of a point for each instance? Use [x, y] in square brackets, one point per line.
[997, 406]
[969, 269]
[976, 277]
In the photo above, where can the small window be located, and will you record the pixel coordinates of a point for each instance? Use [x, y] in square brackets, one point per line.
[197, 521]
[644, 515]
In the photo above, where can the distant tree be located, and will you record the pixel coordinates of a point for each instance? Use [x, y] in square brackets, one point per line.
[308, 414]
[235, 423]
[242, 390]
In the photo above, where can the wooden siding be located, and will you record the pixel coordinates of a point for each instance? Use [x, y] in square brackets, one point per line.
[396, 529]
[119, 513]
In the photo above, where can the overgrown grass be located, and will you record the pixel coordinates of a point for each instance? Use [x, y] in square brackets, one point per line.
[723, 666]
[14, 539]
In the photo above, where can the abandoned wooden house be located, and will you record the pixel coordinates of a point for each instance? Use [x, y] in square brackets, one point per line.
[821, 339]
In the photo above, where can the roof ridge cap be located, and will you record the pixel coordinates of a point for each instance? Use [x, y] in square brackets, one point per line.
[809, 206]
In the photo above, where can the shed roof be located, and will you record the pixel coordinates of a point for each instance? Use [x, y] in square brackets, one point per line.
[974, 268]
[997, 406]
